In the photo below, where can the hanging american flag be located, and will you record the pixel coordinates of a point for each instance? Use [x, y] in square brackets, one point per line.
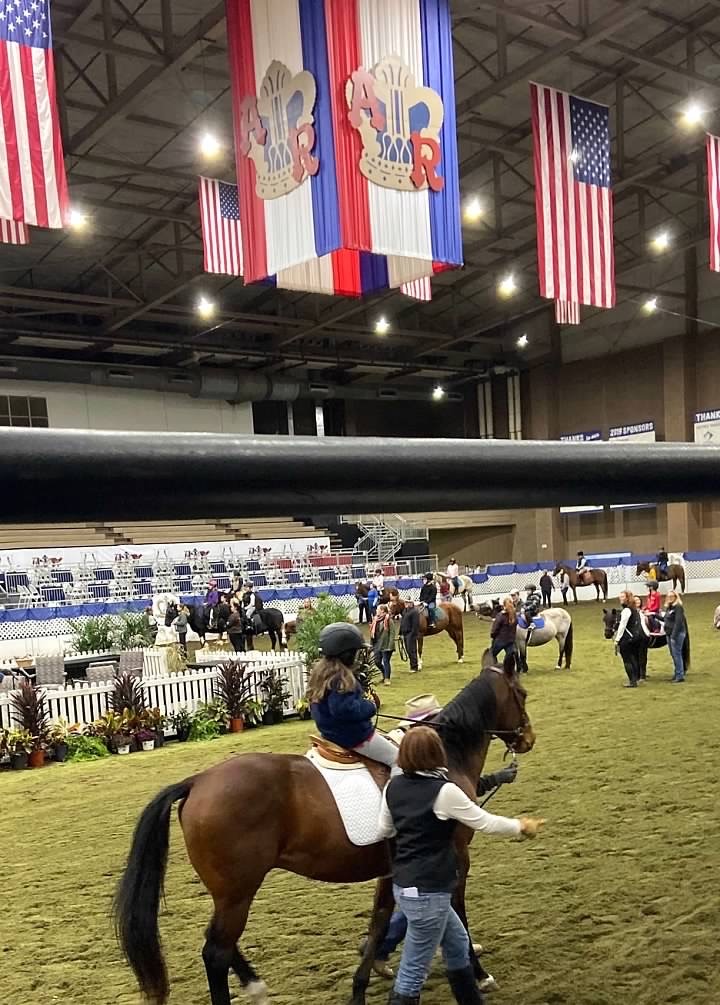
[220, 222]
[12, 232]
[33, 187]
[222, 237]
[567, 313]
[573, 198]
[713, 166]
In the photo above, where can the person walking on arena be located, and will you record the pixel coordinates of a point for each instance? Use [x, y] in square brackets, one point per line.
[676, 629]
[383, 635]
[180, 624]
[372, 599]
[428, 597]
[222, 613]
[379, 580]
[236, 627]
[421, 809]
[504, 630]
[517, 600]
[629, 638]
[410, 633]
[361, 597]
[564, 586]
[339, 709]
[453, 574]
[546, 588]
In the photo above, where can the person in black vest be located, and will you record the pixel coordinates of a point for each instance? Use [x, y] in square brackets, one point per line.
[629, 638]
[410, 634]
[428, 596]
[421, 809]
[546, 588]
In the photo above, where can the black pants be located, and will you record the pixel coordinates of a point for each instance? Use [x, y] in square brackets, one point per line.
[363, 609]
[630, 652]
[642, 660]
[546, 597]
[182, 641]
[237, 642]
[564, 595]
[411, 646]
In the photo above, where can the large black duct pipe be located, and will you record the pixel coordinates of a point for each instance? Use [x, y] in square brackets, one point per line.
[61, 475]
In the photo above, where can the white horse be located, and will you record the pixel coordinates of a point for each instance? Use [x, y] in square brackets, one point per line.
[465, 592]
[558, 625]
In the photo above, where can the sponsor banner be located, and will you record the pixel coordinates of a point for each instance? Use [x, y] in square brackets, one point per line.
[707, 427]
[588, 436]
[638, 432]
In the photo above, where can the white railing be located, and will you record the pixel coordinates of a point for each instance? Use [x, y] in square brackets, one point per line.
[85, 702]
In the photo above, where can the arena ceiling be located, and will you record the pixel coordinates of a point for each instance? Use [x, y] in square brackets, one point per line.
[139, 84]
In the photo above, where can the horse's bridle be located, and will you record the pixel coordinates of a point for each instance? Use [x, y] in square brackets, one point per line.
[519, 731]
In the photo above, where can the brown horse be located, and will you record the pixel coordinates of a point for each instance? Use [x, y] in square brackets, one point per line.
[588, 577]
[675, 572]
[449, 619]
[259, 812]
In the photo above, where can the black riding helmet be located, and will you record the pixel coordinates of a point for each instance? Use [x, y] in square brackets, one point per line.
[341, 641]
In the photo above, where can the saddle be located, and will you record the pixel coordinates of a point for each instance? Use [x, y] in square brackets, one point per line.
[537, 622]
[349, 759]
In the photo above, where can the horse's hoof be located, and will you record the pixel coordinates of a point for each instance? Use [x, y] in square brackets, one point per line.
[488, 985]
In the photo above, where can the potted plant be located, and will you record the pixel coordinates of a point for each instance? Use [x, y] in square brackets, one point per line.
[156, 722]
[20, 745]
[181, 722]
[274, 695]
[108, 728]
[146, 738]
[253, 713]
[327, 611]
[120, 743]
[302, 707]
[233, 687]
[57, 739]
[30, 712]
[4, 749]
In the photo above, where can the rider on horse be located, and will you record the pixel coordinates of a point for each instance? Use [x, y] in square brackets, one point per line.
[212, 598]
[453, 574]
[662, 561]
[428, 597]
[253, 604]
[581, 566]
[531, 608]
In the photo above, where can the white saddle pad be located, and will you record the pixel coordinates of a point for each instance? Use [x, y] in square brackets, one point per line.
[356, 796]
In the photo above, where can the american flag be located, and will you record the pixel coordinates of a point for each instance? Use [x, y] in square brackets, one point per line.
[220, 221]
[566, 313]
[12, 232]
[33, 187]
[418, 289]
[573, 198]
[713, 163]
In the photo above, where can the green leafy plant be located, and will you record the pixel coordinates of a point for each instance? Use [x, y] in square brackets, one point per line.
[274, 693]
[327, 611]
[128, 695]
[131, 631]
[181, 721]
[234, 688]
[20, 741]
[176, 659]
[210, 721]
[30, 712]
[4, 748]
[94, 635]
[302, 707]
[254, 712]
[85, 748]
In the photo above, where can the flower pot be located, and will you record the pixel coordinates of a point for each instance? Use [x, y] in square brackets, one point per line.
[237, 724]
[268, 718]
[183, 733]
[278, 717]
[124, 749]
[60, 752]
[148, 745]
[37, 758]
[18, 762]
[160, 739]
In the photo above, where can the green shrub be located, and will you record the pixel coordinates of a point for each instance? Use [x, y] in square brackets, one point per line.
[209, 721]
[85, 748]
[93, 635]
[327, 611]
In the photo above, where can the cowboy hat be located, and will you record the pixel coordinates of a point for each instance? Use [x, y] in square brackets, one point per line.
[417, 709]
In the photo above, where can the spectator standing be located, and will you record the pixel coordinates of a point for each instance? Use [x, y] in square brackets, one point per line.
[546, 588]
[361, 597]
[372, 599]
[150, 624]
[236, 627]
[676, 629]
[629, 638]
[180, 624]
[564, 585]
[379, 580]
[504, 630]
[383, 635]
[222, 613]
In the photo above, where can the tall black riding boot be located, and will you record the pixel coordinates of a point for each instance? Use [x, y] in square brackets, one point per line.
[398, 999]
[464, 987]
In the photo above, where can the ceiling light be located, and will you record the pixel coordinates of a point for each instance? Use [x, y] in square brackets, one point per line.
[507, 286]
[205, 308]
[650, 305]
[693, 114]
[77, 220]
[438, 393]
[210, 146]
[382, 326]
[522, 342]
[473, 210]
[661, 241]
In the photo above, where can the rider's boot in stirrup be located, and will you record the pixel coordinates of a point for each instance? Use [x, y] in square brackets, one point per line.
[398, 999]
[464, 986]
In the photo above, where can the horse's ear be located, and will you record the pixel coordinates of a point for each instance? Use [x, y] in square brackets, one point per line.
[604, 610]
[509, 665]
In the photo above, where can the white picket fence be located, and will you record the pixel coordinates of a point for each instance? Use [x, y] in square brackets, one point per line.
[85, 702]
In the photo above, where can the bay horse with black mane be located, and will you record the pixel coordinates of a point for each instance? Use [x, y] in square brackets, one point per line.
[586, 577]
[449, 618]
[257, 812]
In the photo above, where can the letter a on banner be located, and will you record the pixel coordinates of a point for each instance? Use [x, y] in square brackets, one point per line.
[345, 138]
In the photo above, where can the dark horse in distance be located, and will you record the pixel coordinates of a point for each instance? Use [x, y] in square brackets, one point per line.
[588, 577]
[258, 812]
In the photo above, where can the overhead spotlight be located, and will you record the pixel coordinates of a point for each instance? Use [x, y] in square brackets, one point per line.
[473, 210]
[661, 241]
[507, 286]
[210, 146]
[77, 220]
[693, 114]
[522, 342]
[650, 305]
[438, 393]
[382, 326]
[205, 308]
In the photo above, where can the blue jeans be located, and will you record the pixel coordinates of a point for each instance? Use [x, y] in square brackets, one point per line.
[431, 923]
[395, 934]
[676, 644]
[498, 647]
[384, 658]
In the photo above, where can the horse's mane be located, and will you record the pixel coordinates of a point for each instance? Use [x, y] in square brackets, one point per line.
[465, 721]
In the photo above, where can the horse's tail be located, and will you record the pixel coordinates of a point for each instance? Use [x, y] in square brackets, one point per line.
[686, 652]
[568, 647]
[604, 584]
[137, 900]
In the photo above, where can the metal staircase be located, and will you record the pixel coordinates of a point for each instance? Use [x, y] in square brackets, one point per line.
[383, 534]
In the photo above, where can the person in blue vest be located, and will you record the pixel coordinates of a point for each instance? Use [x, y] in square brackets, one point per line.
[372, 600]
[421, 808]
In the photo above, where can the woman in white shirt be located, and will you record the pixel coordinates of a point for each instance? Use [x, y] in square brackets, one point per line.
[421, 809]
[629, 638]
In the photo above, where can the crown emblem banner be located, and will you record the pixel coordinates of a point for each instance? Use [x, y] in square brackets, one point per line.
[345, 137]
